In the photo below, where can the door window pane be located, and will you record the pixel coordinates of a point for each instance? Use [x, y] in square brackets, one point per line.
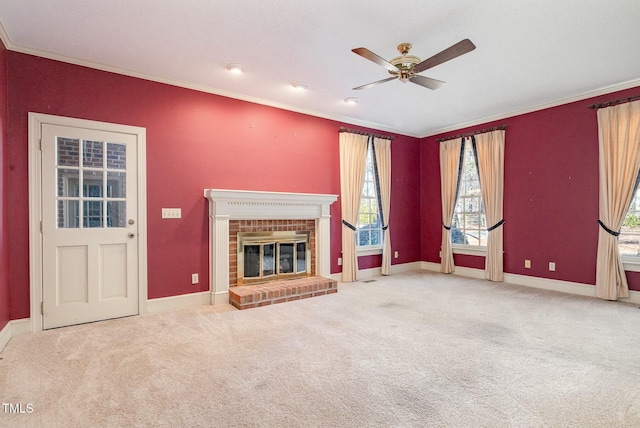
[67, 214]
[92, 154]
[116, 185]
[116, 213]
[92, 216]
[116, 156]
[67, 151]
[92, 184]
[67, 182]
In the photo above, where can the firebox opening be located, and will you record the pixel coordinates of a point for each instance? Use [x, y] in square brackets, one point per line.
[265, 256]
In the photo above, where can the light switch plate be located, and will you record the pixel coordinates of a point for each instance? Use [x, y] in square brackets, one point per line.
[171, 213]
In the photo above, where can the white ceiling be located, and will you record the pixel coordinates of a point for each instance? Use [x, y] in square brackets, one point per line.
[530, 53]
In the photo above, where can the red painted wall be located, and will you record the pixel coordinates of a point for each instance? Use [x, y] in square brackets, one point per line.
[4, 274]
[550, 193]
[194, 141]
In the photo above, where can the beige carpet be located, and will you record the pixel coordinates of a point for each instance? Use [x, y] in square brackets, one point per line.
[412, 350]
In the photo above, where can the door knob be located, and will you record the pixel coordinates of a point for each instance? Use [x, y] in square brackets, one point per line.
[131, 221]
[132, 235]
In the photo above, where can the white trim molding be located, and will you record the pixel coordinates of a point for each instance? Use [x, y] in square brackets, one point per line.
[576, 288]
[14, 328]
[163, 304]
[225, 205]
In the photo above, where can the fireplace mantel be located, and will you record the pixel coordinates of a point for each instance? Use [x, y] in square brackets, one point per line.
[225, 205]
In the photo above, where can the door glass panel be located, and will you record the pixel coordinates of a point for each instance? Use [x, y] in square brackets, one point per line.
[116, 185]
[116, 213]
[116, 156]
[68, 182]
[92, 216]
[92, 184]
[92, 154]
[67, 214]
[301, 256]
[67, 151]
[252, 261]
[286, 258]
[268, 259]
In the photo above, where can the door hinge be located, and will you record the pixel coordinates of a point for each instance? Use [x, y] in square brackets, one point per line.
[40, 226]
[40, 144]
[41, 308]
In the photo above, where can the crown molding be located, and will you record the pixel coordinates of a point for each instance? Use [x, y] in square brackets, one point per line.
[338, 118]
[585, 95]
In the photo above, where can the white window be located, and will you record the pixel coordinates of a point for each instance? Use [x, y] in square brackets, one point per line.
[629, 239]
[369, 227]
[468, 226]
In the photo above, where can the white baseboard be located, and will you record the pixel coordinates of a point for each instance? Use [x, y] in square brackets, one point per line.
[12, 329]
[5, 335]
[163, 304]
[364, 274]
[534, 282]
[221, 298]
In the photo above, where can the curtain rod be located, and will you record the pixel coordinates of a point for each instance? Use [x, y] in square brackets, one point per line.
[353, 131]
[482, 131]
[613, 103]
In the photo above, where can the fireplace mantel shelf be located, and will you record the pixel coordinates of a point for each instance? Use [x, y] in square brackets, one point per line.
[248, 205]
[225, 205]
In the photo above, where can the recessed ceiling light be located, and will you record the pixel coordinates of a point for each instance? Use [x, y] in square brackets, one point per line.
[351, 100]
[234, 68]
[300, 86]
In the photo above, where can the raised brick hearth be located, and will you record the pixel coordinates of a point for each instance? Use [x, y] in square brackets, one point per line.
[253, 296]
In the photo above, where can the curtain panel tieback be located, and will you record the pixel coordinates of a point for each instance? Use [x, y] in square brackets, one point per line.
[609, 231]
[349, 225]
[385, 227]
[495, 226]
[445, 226]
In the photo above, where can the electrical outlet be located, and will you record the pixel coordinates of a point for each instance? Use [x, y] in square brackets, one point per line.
[339, 261]
[552, 266]
[194, 278]
[171, 213]
[396, 255]
[527, 264]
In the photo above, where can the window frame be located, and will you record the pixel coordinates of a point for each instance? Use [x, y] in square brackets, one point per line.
[469, 249]
[365, 250]
[632, 263]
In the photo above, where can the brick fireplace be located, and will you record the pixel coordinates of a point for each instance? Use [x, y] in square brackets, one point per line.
[233, 211]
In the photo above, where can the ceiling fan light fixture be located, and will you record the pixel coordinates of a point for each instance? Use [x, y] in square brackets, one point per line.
[235, 68]
[352, 100]
[299, 86]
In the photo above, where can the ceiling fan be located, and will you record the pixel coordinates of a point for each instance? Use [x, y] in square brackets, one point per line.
[406, 67]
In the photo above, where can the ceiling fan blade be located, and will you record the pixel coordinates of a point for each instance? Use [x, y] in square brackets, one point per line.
[450, 53]
[427, 82]
[366, 53]
[368, 85]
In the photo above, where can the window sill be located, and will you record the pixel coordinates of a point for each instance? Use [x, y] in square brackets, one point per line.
[631, 264]
[469, 250]
[368, 251]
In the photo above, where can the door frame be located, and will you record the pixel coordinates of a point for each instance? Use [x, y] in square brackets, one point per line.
[36, 120]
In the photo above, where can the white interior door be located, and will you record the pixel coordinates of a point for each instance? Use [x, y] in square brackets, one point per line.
[89, 225]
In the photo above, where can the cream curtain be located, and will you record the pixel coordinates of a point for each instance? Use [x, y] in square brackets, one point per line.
[353, 158]
[450, 158]
[489, 150]
[619, 155]
[382, 152]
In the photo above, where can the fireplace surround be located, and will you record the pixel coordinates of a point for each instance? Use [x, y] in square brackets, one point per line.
[259, 211]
